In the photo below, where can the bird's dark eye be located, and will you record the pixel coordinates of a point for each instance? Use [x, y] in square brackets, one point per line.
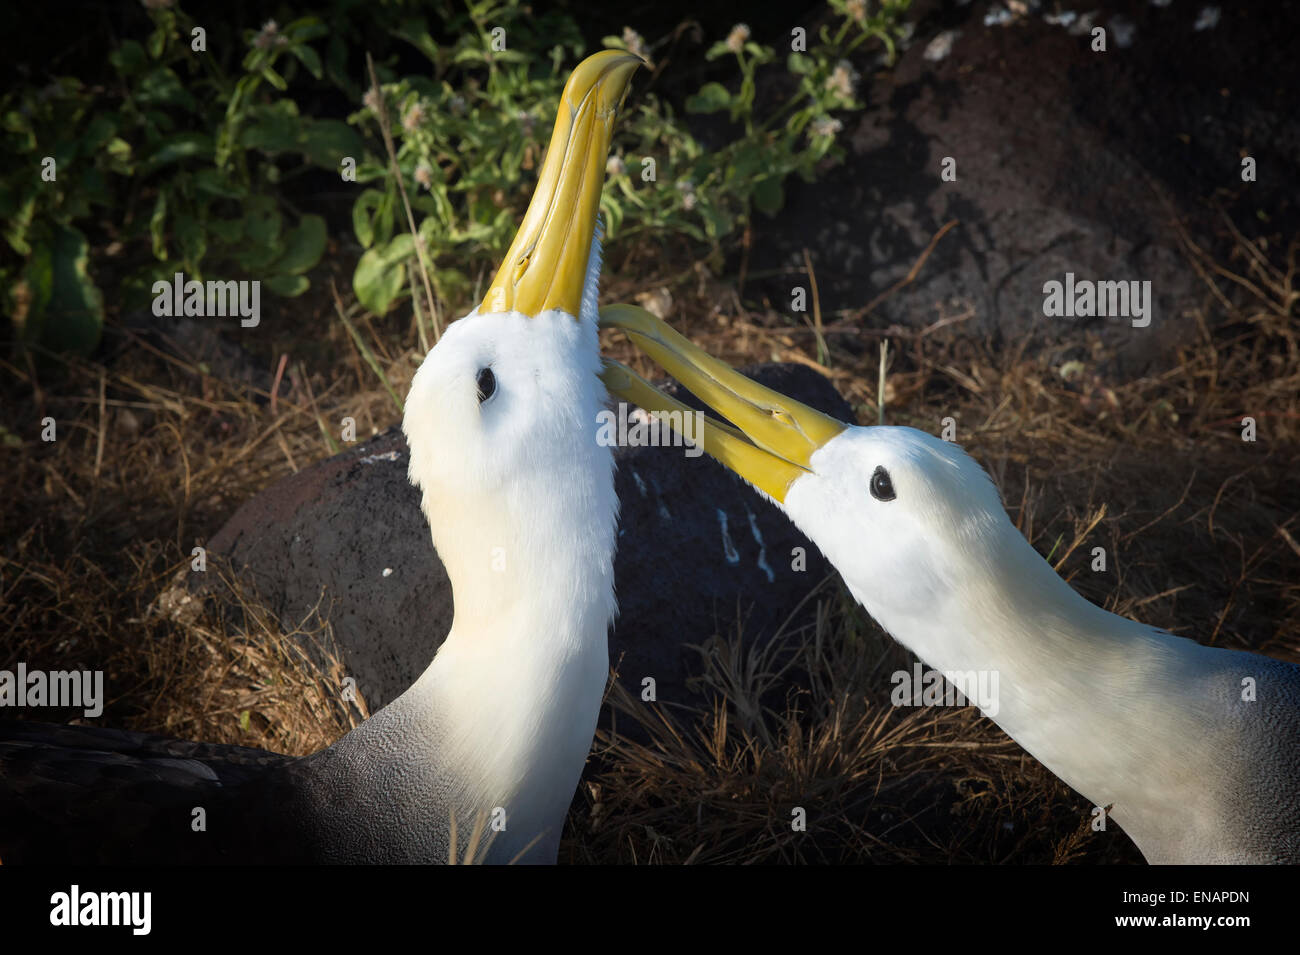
[882, 488]
[487, 384]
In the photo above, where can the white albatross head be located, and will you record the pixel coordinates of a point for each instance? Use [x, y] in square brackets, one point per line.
[902, 515]
[502, 413]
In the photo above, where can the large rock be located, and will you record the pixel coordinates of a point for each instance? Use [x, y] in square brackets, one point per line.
[1065, 160]
[698, 551]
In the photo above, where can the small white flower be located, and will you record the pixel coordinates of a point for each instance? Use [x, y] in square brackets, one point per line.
[635, 43]
[424, 175]
[939, 48]
[413, 117]
[997, 17]
[826, 126]
[1083, 25]
[857, 9]
[270, 36]
[843, 80]
[687, 189]
[1207, 19]
[737, 37]
[614, 166]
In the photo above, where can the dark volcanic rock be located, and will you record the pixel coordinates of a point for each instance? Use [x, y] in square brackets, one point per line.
[1066, 160]
[698, 550]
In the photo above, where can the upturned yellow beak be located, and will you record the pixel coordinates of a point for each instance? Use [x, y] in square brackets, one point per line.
[774, 437]
[546, 266]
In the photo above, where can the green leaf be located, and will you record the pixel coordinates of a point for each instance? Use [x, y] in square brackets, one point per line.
[416, 33]
[362, 210]
[36, 287]
[157, 41]
[74, 318]
[469, 54]
[272, 128]
[255, 257]
[287, 285]
[212, 182]
[336, 62]
[191, 239]
[179, 146]
[228, 231]
[306, 28]
[162, 87]
[611, 211]
[309, 58]
[327, 141]
[304, 245]
[376, 284]
[380, 276]
[274, 78]
[769, 197]
[15, 228]
[751, 160]
[383, 220]
[800, 63]
[119, 151]
[716, 222]
[262, 220]
[712, 98]
[128, 59]
[370, 171]
[158, 226]
[99, 131]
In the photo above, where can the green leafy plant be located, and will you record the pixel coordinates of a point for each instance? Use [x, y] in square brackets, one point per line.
[469, 140]
[49, 284]
[716, 190]
[181, 163]
[216, 197]
[178, 167]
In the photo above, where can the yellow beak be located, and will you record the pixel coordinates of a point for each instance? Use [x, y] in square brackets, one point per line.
[775, 437]
[546, 266]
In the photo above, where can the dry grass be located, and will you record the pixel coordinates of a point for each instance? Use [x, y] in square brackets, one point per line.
[805, 728]
[154, 453]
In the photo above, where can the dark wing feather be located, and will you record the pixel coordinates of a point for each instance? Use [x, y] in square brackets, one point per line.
[75, 794]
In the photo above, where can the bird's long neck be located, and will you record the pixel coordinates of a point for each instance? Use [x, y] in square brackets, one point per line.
[1080, 688]
[515, 690]
[497, 728]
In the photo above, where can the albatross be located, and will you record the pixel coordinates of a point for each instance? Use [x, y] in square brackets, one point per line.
[1193, 750]
[480, 757]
